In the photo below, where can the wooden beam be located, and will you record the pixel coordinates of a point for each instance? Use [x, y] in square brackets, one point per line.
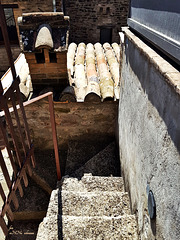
[41, 182]
[29, 215]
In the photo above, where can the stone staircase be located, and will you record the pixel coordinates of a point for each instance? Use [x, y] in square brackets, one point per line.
[89, 207]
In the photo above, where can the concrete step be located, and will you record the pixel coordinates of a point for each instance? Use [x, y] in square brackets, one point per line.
[89, 203]
[88, 228]
[102, 164]
[92, 183]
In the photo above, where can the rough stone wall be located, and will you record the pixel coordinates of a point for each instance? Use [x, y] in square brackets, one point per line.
[86, 18]
[33, 5]
[149, 137]
[74, 121]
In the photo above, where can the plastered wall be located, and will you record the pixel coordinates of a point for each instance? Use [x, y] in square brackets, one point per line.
[149, 137]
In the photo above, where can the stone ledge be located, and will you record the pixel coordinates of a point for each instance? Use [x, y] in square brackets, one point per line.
[70, 227]
[92, 183]
[171, 74]
[89, 204]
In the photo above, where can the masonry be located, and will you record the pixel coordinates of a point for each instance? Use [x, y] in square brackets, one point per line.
[74, 121]
[20, 7]
[90, 19]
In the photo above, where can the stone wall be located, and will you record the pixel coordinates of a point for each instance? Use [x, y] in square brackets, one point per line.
[32, 6]
[74, 121]
[149, 137]
[88, 17]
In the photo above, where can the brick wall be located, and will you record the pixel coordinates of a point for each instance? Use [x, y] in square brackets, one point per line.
[87, 17]
[48, 72]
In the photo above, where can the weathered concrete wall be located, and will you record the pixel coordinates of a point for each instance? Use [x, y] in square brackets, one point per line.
[149, 137]
[87, 17]
[74, 121]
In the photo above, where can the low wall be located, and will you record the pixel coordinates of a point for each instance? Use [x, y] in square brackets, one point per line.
[74, 121]
[149, 137]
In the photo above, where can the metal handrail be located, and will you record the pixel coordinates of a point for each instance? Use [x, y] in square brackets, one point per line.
[53, 126]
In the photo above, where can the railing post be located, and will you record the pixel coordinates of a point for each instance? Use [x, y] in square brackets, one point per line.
[54, 133]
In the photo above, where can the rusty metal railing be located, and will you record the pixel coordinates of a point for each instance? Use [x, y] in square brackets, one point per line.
[21, 150]
[53, 127]
[22, 146]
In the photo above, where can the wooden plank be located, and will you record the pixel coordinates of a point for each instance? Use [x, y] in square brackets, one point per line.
[20, 190]
[25, 179]
[26, 126]
[41, 182]
[16, 183]
[29, 170]
[2, 193]
[19, 125]
[8, 148]
[31, 215]
[5, 171]
[10, 157]
[11, 128]
[10, 214]
[3, 226]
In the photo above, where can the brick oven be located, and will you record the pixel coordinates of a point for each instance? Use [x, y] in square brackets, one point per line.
[44, 41]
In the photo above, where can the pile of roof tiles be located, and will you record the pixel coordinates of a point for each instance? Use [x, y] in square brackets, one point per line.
[93, 71]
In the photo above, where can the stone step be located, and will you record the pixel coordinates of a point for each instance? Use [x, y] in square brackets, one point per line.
[92, 183]
[89, 203]
[88, 228]
[103, 163]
